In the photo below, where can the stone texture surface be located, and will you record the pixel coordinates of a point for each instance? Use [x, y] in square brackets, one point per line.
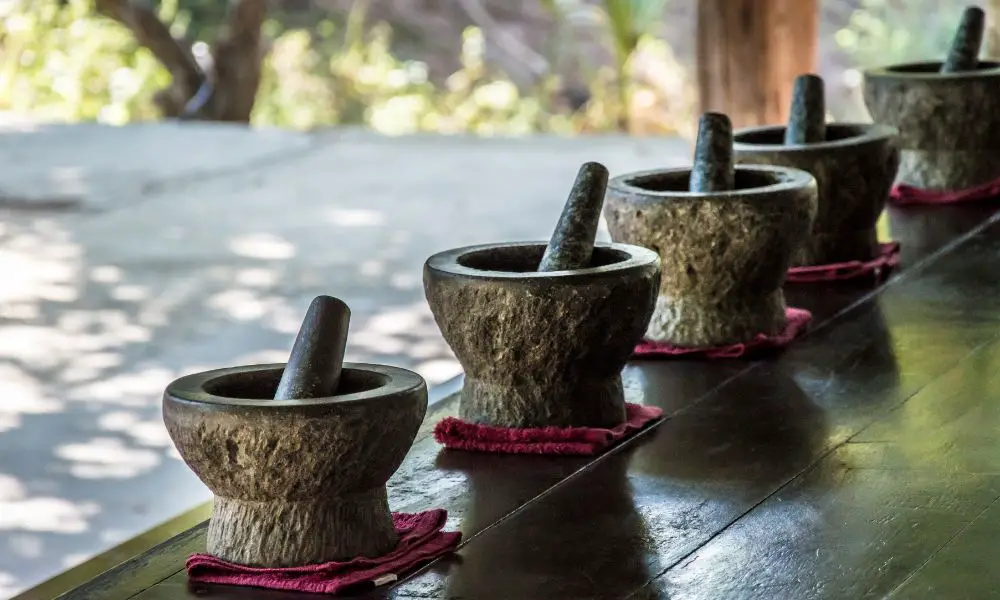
[541, 349]
[572, 242]
[963, 55]
[713, 155]
[297, 481]
[807, 115]
[854, 168]
[724, 255]
[288, 534]
[947, 169]
[949, 129]
[317, 357]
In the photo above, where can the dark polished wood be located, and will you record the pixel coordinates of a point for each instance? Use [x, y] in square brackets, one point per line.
[861, 462]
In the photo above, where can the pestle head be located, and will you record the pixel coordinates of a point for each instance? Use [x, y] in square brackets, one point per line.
[713, 155]
[807, 117]
[313, 369]
[572, 242]
[964, 52]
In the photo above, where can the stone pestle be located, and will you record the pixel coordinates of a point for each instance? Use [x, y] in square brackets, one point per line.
[713, 155]
[316, 360]
[572, 242]
[964, 52]
[807, 117]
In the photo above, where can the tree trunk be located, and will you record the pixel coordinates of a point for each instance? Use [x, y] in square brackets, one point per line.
[749, 53]
[227, 91]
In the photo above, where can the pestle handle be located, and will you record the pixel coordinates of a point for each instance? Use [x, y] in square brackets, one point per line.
[313, 369]
[572, 242]
[964, 52]
[713, 155]
[807, 117]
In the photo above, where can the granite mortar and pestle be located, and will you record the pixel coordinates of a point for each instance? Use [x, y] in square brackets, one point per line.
[949, 128]
[543, 331]
[726, 236]
[854, 165]
[298, 455]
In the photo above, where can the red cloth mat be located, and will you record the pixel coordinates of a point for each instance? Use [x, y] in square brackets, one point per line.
[905, 195]
[420, 541]
[583, 441]
[880, 267]
[797, 321]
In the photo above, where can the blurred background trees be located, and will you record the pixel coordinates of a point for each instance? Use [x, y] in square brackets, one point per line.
[402, 66]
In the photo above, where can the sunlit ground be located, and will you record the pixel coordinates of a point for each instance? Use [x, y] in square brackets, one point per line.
[174, 250]
[86, 350]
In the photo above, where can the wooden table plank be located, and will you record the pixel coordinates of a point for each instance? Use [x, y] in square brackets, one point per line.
[965, 569]
[688, 508]
[851, 528]
[716, 461]
[890, 521]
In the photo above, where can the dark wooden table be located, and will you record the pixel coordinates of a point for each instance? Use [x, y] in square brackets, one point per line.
[863, 462]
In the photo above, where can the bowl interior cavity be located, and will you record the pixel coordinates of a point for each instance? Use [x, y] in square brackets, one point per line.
[775, 136]
[934, 68]
[260, 385]
[525, 259]
[678, 181]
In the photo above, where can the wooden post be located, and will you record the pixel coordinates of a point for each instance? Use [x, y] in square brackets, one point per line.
[992, 46]
[749, 54]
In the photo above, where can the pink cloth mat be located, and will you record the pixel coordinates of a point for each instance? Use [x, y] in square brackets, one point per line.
[905, 195]
[797, 322]
[582, 441]
[421, 540]
[880, 267]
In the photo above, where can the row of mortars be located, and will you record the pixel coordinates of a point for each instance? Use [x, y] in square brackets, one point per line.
[539, 337]
[298, 454]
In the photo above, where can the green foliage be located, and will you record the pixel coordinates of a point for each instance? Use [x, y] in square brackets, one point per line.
[883, 32]
[629, 21]
[66, 63]
[309, 84]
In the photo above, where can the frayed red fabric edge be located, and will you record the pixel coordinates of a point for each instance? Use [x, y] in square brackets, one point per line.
[797, 321]
[880, 266]
[906, 195]
[421, 540]
[457, 434]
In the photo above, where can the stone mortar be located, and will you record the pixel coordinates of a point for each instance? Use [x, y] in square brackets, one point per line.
[854, 170]
[296, 482]
[724, 254]
[542, 348]
[949, 129]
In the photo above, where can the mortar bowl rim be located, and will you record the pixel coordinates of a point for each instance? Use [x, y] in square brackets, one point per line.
[449, 263]
[788, 180]
[927, 71]
[871, 133]
[393, 382]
